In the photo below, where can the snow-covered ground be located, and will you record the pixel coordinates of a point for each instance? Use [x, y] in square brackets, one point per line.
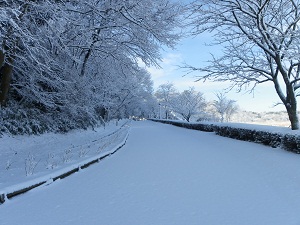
[166, 175]
[27, 158]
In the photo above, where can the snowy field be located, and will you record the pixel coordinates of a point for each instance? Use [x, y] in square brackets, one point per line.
[166, 175]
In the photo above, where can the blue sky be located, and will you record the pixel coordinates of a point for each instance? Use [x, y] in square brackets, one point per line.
[194, 51]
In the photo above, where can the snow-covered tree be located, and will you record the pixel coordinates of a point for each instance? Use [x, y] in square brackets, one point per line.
[225, 107]
[189, 103]
[166, 93]
[261, 44]
[70, 63]
[24, 35]
[115, 28]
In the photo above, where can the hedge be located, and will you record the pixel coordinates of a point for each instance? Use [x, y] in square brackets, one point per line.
[289, 142]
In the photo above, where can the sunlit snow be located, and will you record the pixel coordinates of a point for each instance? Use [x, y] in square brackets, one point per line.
[169, 175]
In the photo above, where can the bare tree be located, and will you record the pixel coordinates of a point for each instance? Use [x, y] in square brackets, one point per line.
[224, 106]
[261, 44]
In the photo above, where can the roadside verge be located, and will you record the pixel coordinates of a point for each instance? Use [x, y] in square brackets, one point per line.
[15, 190]
[271, 136]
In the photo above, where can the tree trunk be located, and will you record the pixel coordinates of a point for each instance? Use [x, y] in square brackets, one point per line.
[2, 58]
[290, 101]
[86, 57]
[187, 117]
[293, 117]
[89, 52]
[291, 108]
[5, 74]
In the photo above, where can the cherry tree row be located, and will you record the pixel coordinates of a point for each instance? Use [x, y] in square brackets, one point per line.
[67, 63]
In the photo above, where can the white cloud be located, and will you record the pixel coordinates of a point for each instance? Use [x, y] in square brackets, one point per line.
[156, 73]
[169, 70]
[172, 59]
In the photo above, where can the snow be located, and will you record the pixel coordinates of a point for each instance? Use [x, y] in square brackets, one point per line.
[260, 127]
[53, 153]
[170, 175]
[249, 126]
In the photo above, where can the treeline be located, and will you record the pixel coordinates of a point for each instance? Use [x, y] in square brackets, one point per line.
[68, 64]
[191, 105]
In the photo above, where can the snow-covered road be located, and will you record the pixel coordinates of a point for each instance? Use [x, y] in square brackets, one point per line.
[167, 175]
